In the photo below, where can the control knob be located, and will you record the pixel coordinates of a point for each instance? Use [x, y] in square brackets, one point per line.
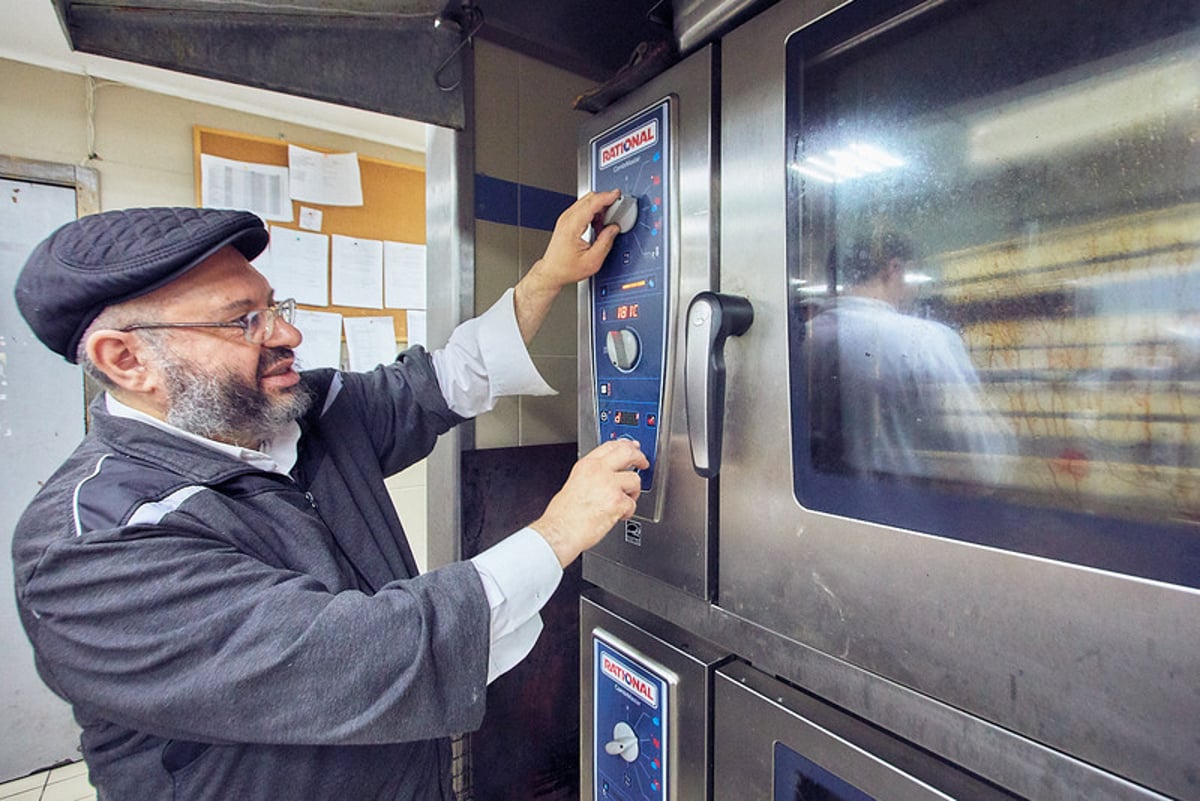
[623, 348]
[624, 742]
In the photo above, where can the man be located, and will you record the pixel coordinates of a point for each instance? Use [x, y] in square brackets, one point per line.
[216, 579]
[897, 394]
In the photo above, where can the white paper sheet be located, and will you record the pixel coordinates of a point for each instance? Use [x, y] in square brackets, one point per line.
[260, 188]
[310, 218]
[322, 343]
[404, 275]
[370, 341]
[416, 328]
[332, 179]
[357, 272]
[299, 266]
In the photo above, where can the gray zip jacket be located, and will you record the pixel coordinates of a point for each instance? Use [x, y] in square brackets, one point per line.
[229, 634]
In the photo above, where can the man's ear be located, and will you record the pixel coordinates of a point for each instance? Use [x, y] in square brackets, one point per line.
[122, 357]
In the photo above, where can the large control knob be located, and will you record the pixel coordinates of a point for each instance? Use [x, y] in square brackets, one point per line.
[623, 348]
[624, 742]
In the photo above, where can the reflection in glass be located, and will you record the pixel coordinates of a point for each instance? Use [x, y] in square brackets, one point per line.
[899, 394]
[1009, 307]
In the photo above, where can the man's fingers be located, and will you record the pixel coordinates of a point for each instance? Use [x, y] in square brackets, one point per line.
[587, 208]
[622, 454]
[630, 483]
[604, 239]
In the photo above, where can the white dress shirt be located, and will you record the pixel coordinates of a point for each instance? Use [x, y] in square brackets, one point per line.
[484, 360]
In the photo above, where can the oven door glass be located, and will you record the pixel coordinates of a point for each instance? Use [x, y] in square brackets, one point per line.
[994, 264]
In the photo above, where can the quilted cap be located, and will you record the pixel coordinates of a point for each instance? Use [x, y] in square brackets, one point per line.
[103, 259]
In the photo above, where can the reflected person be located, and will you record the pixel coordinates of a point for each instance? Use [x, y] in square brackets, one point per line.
[893, 393]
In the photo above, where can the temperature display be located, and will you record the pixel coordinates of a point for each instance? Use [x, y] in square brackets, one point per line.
[626, 418]
[627, 311]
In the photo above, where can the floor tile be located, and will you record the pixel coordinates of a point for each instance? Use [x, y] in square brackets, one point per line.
[22, 785]
[28, 795]
[68, 771]
[72, 788]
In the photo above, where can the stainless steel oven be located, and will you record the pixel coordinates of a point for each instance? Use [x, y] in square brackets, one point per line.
[917, 366]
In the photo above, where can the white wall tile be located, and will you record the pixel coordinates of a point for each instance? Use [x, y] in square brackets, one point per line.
[548, 134]
[552, 419]
[501, 427]
[497, 111]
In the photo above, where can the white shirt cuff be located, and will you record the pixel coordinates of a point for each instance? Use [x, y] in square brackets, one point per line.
[519, 574]
[485, 360]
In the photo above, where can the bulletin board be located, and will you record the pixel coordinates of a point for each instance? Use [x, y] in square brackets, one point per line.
[393, 201]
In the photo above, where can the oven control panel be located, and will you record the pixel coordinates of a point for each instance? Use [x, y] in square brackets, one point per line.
[629, 295]
[631, 731]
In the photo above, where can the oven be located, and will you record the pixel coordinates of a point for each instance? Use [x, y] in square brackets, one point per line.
[909, 326]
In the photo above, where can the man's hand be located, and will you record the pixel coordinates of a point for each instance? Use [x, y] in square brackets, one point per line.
[602, 489]
[568, 259]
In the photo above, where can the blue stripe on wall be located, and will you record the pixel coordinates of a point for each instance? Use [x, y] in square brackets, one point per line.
[510, 203]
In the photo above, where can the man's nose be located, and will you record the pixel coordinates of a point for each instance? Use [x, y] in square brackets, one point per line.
[284, 335]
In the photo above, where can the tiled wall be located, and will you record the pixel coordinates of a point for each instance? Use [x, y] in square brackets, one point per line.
[526, 133]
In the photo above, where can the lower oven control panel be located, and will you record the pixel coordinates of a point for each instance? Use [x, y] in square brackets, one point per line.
[629, 294]
[631, 738]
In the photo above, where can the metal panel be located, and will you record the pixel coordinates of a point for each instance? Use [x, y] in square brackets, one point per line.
[1019, 764]
[1098, 665]
[450, 261]
[755, 715]
[360, 61]
[700, 21]
[676, 550]
[689, 657]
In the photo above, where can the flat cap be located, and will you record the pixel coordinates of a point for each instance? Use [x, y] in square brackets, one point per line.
[103, 259]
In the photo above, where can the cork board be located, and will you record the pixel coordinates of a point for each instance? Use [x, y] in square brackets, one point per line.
[393, 201]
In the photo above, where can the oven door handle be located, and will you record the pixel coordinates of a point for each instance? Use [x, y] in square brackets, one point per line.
[711, 318]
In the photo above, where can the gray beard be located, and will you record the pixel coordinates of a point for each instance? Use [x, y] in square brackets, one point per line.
[223, 407]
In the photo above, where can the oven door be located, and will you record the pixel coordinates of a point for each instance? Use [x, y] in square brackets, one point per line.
[962, 435]
[772, 741]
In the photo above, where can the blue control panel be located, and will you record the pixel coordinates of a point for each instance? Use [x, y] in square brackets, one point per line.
[630, 735]
[629, 293]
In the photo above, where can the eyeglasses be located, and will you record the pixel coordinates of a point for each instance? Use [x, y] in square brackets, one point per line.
[257, 326]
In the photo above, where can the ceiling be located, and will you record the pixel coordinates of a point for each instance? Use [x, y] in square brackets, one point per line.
[378, 57]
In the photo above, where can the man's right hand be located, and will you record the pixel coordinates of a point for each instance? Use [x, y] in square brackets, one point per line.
[602, 489]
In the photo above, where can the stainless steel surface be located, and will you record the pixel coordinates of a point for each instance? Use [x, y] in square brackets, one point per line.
[361, 49]
[699, 21]
[450, 260]
[689, 657]
[1098, 665]
[696, 387]
[374, 54]
[677, 549]
[756, 714]
[1019, 764]
[711, 319]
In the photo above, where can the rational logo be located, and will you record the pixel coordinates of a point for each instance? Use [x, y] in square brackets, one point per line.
[627, 144]
[629, 679]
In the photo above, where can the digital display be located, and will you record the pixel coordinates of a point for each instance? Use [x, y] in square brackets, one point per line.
[627, 311]
[626, 418]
